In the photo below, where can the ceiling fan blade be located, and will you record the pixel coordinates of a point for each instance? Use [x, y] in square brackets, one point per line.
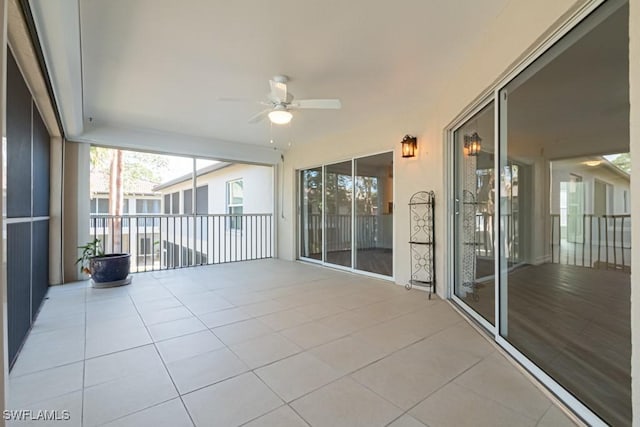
[260, 116]
[278, 91]
[325, 104]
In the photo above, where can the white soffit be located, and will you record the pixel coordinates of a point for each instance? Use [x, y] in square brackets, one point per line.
[58, 28]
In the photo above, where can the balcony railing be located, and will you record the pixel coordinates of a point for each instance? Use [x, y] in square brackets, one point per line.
[592, 241]
[160, 242]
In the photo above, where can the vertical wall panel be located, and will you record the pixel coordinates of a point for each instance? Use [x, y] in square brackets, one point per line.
[28, 187]
[41, 142]
[18, 285]
[18, 143]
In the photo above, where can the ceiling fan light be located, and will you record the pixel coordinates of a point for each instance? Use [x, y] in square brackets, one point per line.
[280, 117]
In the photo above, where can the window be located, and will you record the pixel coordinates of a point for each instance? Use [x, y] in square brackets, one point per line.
[202, 200]
[175, 203]
[167, 204]
[100, 206]
[146, 206]
[187, 196]
[235, 201]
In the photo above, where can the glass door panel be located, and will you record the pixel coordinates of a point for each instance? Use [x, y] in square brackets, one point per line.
[474, 184]
[311, 213]
[374, 213]
[564, 275]
[338, 190]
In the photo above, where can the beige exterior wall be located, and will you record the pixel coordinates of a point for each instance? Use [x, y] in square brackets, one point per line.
[634, 95]
[258, 188]
[526, 23]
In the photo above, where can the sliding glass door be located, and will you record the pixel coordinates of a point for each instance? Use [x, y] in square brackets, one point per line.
[311, 213]
[374, 214]
[541, 220]
[346, 214]
[338, 213]
[474, 187]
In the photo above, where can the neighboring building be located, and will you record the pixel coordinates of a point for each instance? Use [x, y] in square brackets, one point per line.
[137, 236]
[230, 213]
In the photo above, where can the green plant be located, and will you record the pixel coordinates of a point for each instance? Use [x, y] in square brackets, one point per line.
[90, 250]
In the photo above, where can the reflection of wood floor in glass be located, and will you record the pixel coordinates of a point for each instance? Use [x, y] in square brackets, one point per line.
[574, 323]
[378, 261]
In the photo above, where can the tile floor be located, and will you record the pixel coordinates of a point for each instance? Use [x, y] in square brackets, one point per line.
[266, 343]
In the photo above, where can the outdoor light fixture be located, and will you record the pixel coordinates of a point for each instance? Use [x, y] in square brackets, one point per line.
[409, 146]
[280, 116]
[472, 144]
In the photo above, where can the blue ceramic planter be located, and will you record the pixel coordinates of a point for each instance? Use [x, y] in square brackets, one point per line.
[110, 267]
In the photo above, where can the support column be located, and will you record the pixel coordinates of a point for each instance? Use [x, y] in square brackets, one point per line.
[75, 206]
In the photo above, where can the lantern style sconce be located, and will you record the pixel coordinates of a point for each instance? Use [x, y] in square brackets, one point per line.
[409, 146]
[472, 144]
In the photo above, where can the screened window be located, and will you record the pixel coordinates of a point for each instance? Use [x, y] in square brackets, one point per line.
[235, 203]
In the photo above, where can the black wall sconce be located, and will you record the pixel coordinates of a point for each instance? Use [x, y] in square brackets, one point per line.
[409, 146]
[472, 144]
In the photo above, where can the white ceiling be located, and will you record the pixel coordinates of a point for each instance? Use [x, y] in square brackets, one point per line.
[149, 72]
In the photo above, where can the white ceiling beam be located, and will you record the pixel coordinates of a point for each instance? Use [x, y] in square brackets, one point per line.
[176, 144]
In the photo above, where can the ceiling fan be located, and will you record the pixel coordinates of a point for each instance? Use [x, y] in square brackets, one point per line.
[281, 103]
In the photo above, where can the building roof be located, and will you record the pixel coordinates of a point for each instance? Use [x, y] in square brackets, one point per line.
[211, 168]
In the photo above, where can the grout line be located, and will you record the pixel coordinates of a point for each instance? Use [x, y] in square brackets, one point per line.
[162, 360]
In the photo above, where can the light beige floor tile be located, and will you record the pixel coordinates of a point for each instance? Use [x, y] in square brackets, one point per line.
[44, 385]
[67, 408]
[188, 346]
[231, 402]
[345, 403]
[176, 328]
[348, 354]
[319, 310]
[554, 417]
[114, 399]
[116, 340]
[349, 322]
[241, 331]
[264, 350]
[297, 375]
[284, 319]
[456, 406]
[61, 348]
[224, 317]
[389, 337]
[505, 385]
[205, 369]
[208, 305]
[284, 416]
[167, 414]
[112, 366]
[165, 315]
[311, 334]
[406, 421]
[398, 384]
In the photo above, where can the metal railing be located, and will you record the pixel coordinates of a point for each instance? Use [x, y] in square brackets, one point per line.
[160, 242]
[592, 241]
[338, 231]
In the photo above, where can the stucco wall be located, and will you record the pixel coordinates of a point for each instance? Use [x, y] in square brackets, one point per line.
[503, 42]
[257, 186]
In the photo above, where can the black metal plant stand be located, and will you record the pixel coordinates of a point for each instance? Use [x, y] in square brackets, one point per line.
[422, 241]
